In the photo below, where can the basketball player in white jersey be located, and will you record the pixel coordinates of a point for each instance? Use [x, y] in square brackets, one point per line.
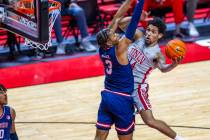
[144, 55]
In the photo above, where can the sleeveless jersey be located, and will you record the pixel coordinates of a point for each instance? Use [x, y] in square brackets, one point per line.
[118, 78]
[5, 123]
[141, 59]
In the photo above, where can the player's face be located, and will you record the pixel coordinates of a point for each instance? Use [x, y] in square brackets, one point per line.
[152, 34]
[3, 98]
[113, 38]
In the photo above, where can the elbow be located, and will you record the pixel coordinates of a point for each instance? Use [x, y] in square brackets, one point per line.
[117, 20]
[163, 70]
[121, 26]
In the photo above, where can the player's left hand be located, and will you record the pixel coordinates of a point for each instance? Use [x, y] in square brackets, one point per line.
[145, 16]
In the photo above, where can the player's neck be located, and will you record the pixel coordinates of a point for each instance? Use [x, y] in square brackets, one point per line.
[152, 45]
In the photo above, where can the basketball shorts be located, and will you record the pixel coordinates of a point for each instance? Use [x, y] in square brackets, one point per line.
[116, 108]
[141, 97]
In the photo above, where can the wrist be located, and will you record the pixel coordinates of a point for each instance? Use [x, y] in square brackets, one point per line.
[174, 64]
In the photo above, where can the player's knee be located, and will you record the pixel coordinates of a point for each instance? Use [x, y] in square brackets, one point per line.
[98, 137]
[101, 135]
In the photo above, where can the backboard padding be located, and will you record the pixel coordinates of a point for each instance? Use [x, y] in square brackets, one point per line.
[12, 21]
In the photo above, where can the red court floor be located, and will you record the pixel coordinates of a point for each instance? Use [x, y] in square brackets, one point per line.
[80, 67]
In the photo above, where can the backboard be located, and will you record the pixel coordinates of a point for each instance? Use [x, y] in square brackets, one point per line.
[35, 28]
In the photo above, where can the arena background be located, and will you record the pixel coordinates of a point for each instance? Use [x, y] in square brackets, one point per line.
[57, 97]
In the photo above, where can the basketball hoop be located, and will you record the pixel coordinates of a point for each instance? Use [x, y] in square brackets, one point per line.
[27, 7]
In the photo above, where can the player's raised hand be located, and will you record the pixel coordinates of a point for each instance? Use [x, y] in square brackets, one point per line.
[145, 16]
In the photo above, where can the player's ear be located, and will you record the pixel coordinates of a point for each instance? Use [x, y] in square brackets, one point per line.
[109, 42]
[160, 35]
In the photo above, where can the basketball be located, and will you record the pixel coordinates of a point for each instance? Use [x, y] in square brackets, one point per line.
[175, 48]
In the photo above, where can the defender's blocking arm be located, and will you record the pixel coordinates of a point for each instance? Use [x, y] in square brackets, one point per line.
[120, 13]
[130, 32]
[123, 24]
[127, 40]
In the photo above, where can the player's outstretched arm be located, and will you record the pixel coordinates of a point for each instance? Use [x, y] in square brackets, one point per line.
[13, 134]
[124, 22]
[163, 67]
[129, 34]
[125, 42]
[120, 13]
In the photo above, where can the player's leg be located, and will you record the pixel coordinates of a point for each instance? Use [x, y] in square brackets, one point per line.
[101, 134]
[161, 126]
[124, 117]
[141, 99]
[105, 120]
[143, 105]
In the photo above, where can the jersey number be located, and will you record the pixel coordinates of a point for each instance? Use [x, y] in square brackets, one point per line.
[1, 133]
[108, 67]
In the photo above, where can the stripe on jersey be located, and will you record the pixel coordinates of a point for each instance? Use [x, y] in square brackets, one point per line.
[146, 74]
[142, 98]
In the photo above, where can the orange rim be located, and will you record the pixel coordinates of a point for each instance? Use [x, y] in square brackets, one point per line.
[30, 10]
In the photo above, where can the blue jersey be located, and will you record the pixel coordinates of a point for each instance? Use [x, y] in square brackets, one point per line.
[119, 78]
[5, 123]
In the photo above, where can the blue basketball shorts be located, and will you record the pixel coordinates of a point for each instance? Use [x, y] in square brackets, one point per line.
[116, 108]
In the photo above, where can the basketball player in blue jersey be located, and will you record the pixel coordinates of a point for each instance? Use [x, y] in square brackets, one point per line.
[116, 105]
[7, 117]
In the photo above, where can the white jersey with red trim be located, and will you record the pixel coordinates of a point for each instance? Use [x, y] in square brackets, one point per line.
[141, 59]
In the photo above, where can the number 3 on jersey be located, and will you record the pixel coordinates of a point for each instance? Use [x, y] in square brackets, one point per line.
[108, 66]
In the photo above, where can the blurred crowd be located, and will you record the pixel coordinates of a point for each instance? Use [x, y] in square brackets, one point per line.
[181, 9]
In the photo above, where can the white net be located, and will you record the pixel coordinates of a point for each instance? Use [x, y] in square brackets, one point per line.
[42, 46]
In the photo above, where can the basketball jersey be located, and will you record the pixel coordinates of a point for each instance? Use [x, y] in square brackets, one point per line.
[141, 59]
[5, 123]
[118, 78]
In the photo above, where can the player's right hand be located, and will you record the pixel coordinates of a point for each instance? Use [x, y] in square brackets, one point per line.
[178, 60]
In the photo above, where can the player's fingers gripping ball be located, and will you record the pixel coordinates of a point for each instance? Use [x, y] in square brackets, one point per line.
[175, 49]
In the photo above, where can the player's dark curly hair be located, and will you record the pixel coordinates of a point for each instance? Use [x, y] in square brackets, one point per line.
[3, 88]
[102, 37]
[159, 23]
